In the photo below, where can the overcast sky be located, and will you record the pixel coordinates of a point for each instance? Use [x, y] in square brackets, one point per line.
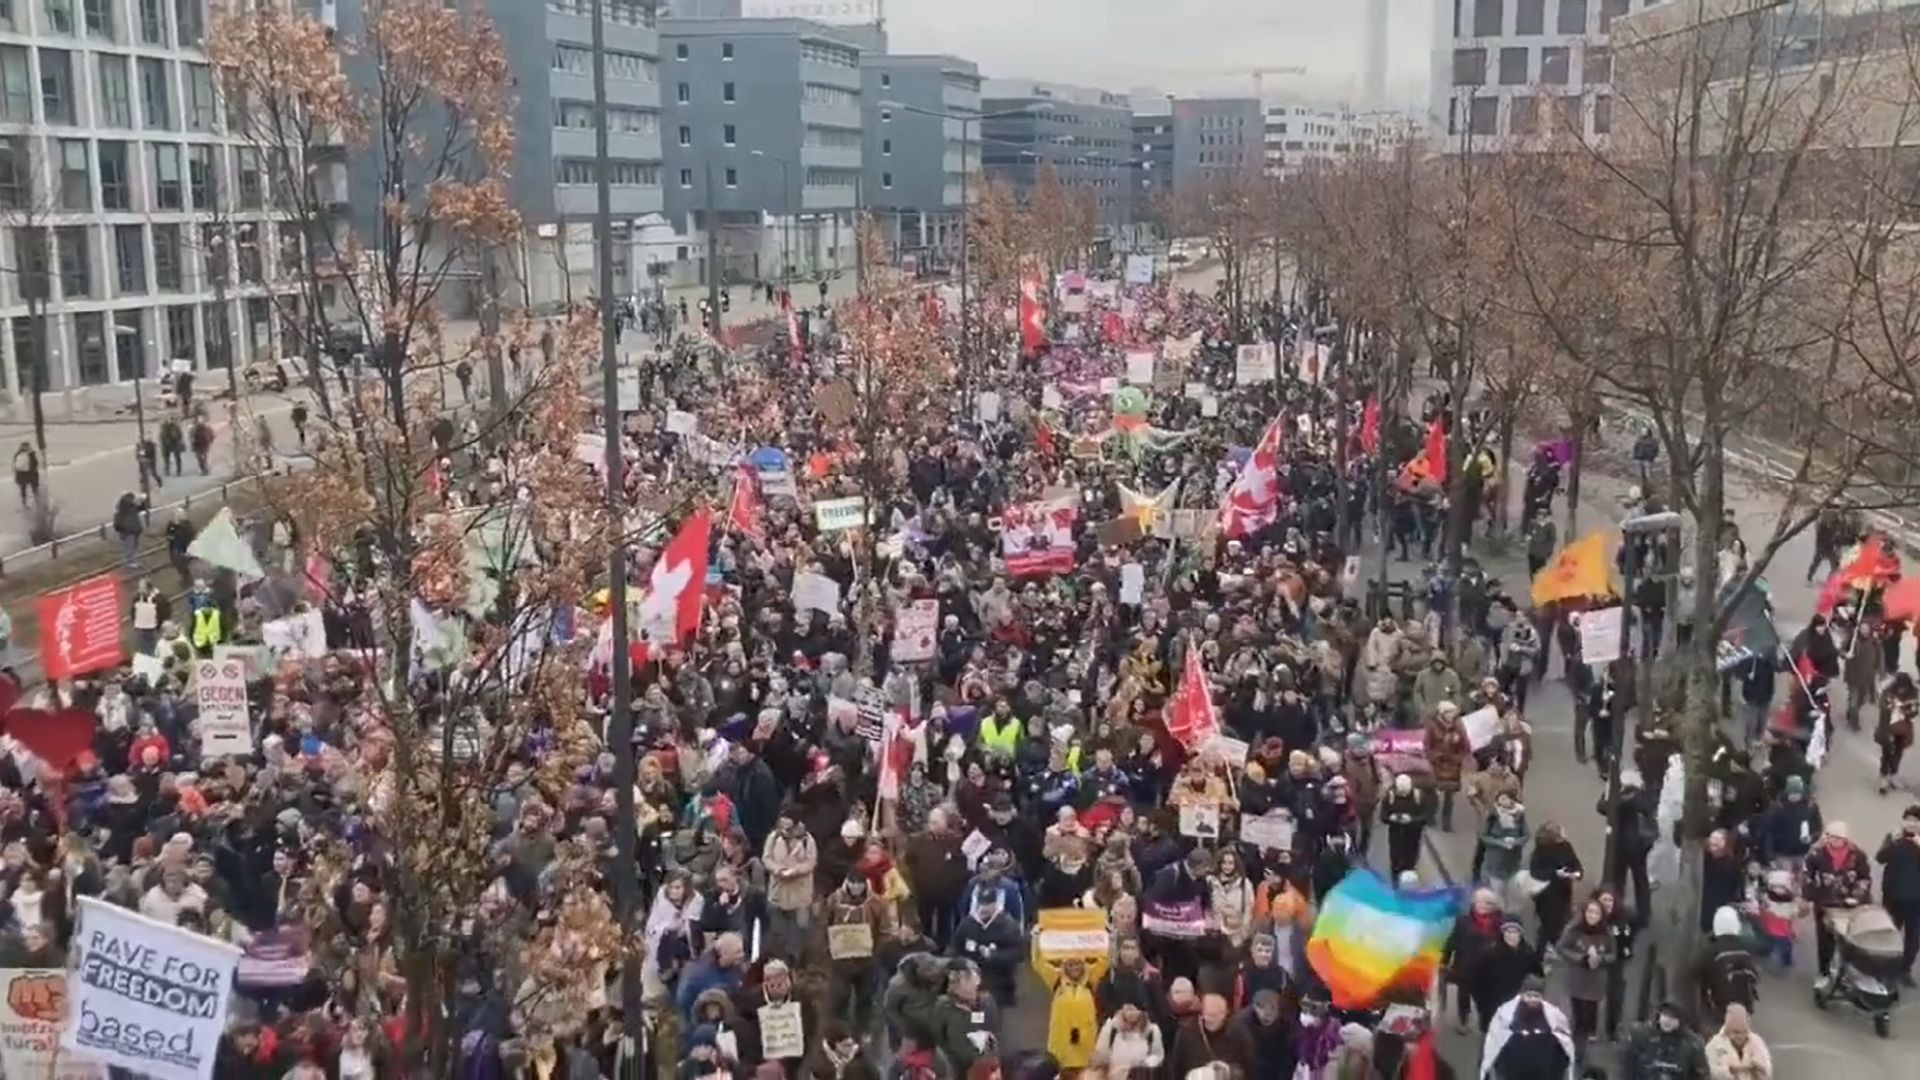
[1180, 46]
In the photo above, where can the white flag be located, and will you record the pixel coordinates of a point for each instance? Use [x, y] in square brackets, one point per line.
[219, 544]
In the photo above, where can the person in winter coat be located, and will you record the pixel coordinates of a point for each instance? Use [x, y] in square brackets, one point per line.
[1131, 1042]
[966, 1019]
[938, 869]
[1503, 969]
[1073, 1021]
[1503, 841]
[1666, 1049]
[1735, 1052]
[991, 939]
[1838, 875]
[1447, 750]
[1475, 932]
[1208, 1038]
[1382, 684]
[1529, 1039]
[1893, 732]
[1405, 811]
[1899, 857]
[790, 857]
[1589, 952]
[854, 904]
[1437, 685]
[1554, 867]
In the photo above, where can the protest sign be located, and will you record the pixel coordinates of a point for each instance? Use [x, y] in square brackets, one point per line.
[80, 628]
[1176, 919]
[1119, 532]
[816, 592]
[1209, 406]
[1072, 933]
[1229, 749]
[249, 656]
[150, 668]
[1200, 820]
[1480, 725]
[781, 1035]
[1253, 364]
[220, 688]
[302, 636]
[680, 422]
[1074, 303]
[146, 996]
[1600, 635]
[975, 845]
[1140, 367]
[274, 958]
[833, 515]
[850, 941]
[1272, 832]
[30, 1018]
[836, 402]
[986, 406]
[915, 626]
[1139, 269]
[1051, 398]
[1133, 583]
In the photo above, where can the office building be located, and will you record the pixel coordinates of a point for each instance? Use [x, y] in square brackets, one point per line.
[1498, 65]
[916, 111]
[131, 220]
[1152, 153]
[1084, 135]
[1303, 136]
[763, 145]
[1215, 139]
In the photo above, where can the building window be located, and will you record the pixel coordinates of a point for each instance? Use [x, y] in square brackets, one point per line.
[683, 93]
[727, 135]
[1469, 67]
[1567, 108]
[219, 335]
[128, 347]
[202, 178]
[246, 247]
[76, 269]
[886, 180]
[56, 86]
[686, 178]
[686, 135]
[156, 99]
[116, 93]
[1487, 17]
[99, 15]
[90, 333]
[1513, 66]
[1483, 116]
[30, 261]
[59, 16]
[1523, 117]
[191, 18]
[1609, 11]
[168, 273]
[16, 85]
[116, 176]
[733, 177]
[253, 184]
[726, 50]
[168, 192]
[16, 172]
[1573, 17]
[153, 23]
[130, 259]
[1530, 17]
[76, 175]
[1602, 114]
[886, 81]
[183, 333]
[1596, 65]
[200, 114]
[1553, 65]
[726, 93]
[886, 116]
[680, 51]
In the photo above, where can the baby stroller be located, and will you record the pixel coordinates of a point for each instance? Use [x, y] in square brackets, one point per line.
[1866, 965]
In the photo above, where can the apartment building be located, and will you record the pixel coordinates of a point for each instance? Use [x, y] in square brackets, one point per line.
[1084, 135]
[132, 223]
[1303, 136]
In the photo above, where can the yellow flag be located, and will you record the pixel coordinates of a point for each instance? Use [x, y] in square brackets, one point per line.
[1579, 571]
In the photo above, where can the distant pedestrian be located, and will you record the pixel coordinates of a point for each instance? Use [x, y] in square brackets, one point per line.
[300, 423]
[173, 446]
[202, 442]
[26, 473]
[146, 458]
[463, 373]
[263, 441]
[179, 538]
[128, 524]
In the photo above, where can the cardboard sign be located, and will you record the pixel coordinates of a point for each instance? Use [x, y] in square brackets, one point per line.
[1481, 725]
[850, 941]
[1139, 269]
[31, 1013]
[1269, 832]
[1133, 583]
[1074, 303]
[986, 406]
[781, 1034]
[833, 515]
[1253, 364]
[815, 592]
[220, 688]
[1200, 821]
[1072, 933]
[1209, 406]
[1229, 749]
[915, 628]
[680, 422]
[1600, 635]
[133, 973]
[1140, 367]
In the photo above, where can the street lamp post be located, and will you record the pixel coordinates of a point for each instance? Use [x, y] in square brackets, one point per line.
[786, 216]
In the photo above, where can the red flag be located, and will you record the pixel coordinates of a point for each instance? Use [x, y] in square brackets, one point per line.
[1876, 564]
[80, 628]
[1191, 718]
[1254, 499]
[1370, 426]
[54, 736]
[1902, 600]
[670, 611]
[1831, 592]
[1437, 451]
[1033, 330]
[744, 510]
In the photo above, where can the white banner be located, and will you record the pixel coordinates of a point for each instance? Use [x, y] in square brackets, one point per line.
[302, 636]
[914, 629]
[1272, 832]
[816, 592]
[146, 996]
[1253, 363]
[31, 1012]
[832, 515]
[220, 688]
[1140, 367]
[1139, 269]
[1600, 635]
[1481, 725]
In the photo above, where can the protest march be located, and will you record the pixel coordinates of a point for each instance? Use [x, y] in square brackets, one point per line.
[1099, 702]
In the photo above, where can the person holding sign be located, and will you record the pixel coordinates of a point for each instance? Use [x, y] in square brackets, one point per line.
[1073, 1020]
[854, 919]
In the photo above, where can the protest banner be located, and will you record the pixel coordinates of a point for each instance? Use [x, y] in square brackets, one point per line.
[1174, 919]
[275, 958]
[815, 592]
[1140, 367]
[850, 941]
[1271, 832]
[1139, 269]
[1253, 363]
[145, 996]
[1072, 933]
[301, 636]
[1480, 725]
[781, 1034]
[80, 628]
[1600, 635]
[914, 629]
[1229, 749]
[1200, 821]
[680, 422]
[30, 1018]
[220, 688]
[833, 515]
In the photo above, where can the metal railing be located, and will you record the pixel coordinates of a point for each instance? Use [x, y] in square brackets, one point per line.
[86, 538]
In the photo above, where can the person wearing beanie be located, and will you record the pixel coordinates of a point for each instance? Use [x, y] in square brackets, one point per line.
[1666, 1048]
[1899, 857]
[1736, 1052]
[1528, 1039]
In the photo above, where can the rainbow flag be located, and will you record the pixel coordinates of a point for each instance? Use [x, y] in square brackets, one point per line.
[1372, 940]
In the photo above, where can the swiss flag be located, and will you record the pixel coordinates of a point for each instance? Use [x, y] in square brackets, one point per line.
[1370, 426]
[670, 612]
[80, 628]
[1033, 330]
[1254, 499]
[744, 509]
[1191, 718]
